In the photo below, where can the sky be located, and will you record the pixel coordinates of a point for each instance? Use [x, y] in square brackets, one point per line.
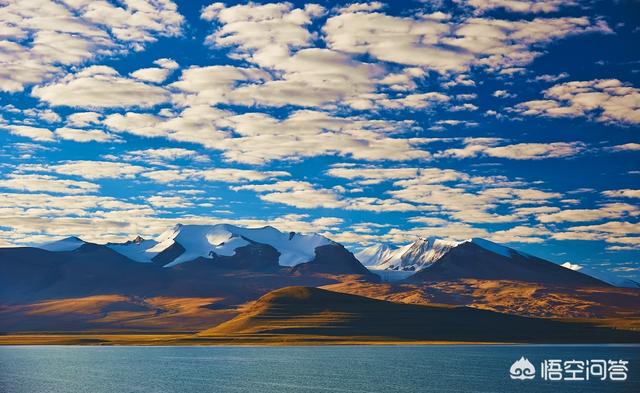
[374, 122]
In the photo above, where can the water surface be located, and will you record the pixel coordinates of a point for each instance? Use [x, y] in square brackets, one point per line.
[455, 368]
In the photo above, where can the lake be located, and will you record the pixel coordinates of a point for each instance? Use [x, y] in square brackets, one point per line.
[448, 368]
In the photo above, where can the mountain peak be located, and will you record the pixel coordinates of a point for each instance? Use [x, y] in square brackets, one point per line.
[67, 244]
[222, 240]
[491, 246]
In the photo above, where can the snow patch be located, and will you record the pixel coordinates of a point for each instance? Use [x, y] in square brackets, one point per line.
[415, 256]
[138, 251]
[372, 255]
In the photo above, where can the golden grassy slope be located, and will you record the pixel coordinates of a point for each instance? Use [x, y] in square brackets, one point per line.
[513, 297]
[113, 313]
[317, 312]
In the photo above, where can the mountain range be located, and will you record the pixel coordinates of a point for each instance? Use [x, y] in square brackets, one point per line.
[433, 259]
[194, 277]
[426, 259]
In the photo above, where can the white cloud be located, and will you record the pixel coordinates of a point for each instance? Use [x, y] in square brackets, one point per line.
[224, 175]
[152, 74]
[169, 64]
[263, 138]
[358, 7]
[79, 135]
[435, 42]
[263, 33]
[413, 101]
[624, 147]
[536, 151]
[198, 124]
[606, 100]
[88, 169]
[608, 211]
[163, 155]
[520, 151]
[100, 87]
[155, 74]
[35, 183]
[521, 6]
[83, 119]
[364, 175]
[503, 94]
[551, 77]
[313, 77]
[624, 235]
[304, 195]
[256, 138]
[36, 133]
[624, 193]
[213, 84]
[40, 37]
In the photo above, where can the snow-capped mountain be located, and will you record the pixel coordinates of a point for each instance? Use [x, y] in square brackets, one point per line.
[417, 255]
[432, 259]
[420, 254]
[371, 256]
[222, 240]
[607, 277]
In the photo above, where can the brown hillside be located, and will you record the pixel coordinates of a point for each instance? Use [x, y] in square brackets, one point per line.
[316, 312]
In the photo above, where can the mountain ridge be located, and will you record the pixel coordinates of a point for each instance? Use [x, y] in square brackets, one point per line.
[434, 259]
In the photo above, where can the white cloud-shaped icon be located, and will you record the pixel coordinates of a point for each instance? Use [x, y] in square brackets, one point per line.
[522, 369]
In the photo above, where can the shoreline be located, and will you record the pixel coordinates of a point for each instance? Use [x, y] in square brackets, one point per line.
[169, 339]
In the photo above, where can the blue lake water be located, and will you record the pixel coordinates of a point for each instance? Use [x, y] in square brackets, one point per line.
[466, 368]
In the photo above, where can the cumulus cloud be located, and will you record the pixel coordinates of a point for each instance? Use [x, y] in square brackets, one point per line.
[304, 195]
[520, 6]
[83, 119]
[624, 193]
[623, 235]
[100, 87]
[372, 175]
[223, 175]
[608, 211]
[88, 169]
[263, 33]
[41, 37]
[83, 136]
[520, 151]
[536, 151]
[152, 74]
[200, 124]
[312, 133]
[436, 42]
[624, 147]
[36, 183]
[213, 84]
[156, 74]
[102, 218]
[256, 138]
[36, 133]
[162, 156]
[604, 100]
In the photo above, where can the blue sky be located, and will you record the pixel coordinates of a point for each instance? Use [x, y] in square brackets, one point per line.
[511, 120]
